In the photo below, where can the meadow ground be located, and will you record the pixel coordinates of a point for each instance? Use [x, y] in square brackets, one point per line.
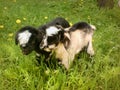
[19, 72]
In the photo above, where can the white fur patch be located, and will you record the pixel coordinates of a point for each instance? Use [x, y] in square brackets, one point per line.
[24, 37]
[44, 43]
[52, 30]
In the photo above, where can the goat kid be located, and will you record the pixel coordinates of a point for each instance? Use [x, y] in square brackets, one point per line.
[69, 42]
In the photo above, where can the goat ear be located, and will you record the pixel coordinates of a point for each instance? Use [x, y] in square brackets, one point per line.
[67, 35]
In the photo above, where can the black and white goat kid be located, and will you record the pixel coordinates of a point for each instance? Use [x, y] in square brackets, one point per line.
[67, 43]
[29, 38]
[59, 21]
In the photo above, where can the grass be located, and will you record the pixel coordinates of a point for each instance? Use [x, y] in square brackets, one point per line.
[19, 72]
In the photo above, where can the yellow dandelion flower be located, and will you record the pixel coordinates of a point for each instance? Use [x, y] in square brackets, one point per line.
[71, 24]
[56, 71]
[88, 17]
[24, 19]
[1, 26]
[18, 21]
[14, 0]
[9, 39]
[47, 72]
[45, 17]
[10, 34]
[66, 18]
[5, 8]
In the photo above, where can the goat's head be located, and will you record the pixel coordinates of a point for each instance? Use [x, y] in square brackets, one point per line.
[53, 35]
[27, 38]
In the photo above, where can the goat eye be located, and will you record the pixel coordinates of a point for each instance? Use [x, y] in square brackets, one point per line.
[50, 39]
[53, 40]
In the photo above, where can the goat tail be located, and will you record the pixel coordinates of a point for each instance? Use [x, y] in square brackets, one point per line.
[93, 27]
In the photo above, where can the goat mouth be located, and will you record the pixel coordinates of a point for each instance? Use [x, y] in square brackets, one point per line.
[42, 47]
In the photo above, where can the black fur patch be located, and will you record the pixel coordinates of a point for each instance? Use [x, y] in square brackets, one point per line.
[57, 21]
[81, 26]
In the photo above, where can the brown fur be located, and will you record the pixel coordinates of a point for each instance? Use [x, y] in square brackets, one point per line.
[105, 3]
